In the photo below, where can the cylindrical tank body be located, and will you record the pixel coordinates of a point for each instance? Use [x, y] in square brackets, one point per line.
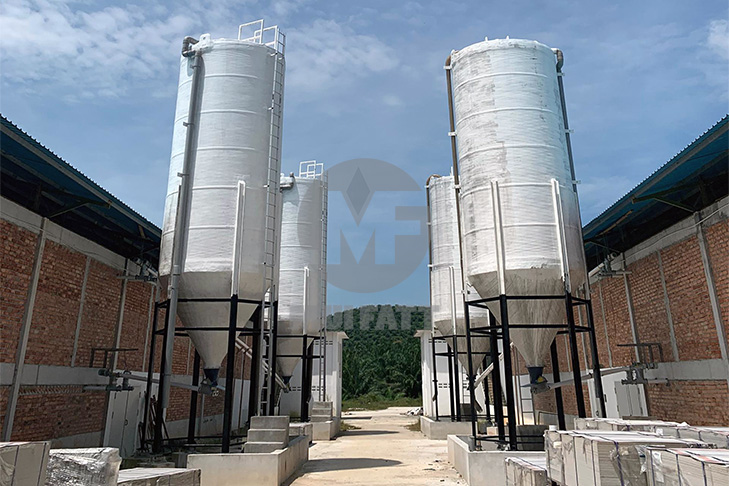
[446, 281]
[300, 268]
[510, 131]
[228, 206]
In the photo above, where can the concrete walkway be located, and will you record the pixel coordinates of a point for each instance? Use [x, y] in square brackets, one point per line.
[382, 452]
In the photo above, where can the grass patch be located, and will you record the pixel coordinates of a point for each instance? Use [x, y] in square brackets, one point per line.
[415, 426]
[378, 402]
[344, 426]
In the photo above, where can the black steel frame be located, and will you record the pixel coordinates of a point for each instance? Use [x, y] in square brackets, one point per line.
[452, 354]
[233, 331]
[506, 429]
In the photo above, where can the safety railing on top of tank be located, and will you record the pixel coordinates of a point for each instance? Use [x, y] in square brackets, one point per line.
[258, 35]
[311, 169]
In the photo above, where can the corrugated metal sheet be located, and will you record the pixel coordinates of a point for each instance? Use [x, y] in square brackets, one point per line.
[693, 179]
[36, 178]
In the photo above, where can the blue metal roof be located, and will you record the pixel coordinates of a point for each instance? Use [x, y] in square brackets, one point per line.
[39, 180]
[693, 179]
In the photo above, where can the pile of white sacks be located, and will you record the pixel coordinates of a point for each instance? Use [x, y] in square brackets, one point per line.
[616, 452]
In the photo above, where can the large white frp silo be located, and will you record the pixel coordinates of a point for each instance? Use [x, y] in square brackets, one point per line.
[521, 231]
[234, 179]
[446, 280]
[302, 266]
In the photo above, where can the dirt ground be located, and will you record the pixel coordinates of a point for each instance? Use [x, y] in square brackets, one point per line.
[381, 452]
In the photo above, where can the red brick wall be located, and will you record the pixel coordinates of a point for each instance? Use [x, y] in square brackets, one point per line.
[693, 322]
[42, 417]
[57, 302]
[694, 402]
[649, 304]
[16, 265]
[52, 331]
[689, 299]
[717, 240]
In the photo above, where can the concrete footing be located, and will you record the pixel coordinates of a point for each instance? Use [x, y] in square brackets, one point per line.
[326, 430]
[251, 469]
[441, 429]
[481, 467]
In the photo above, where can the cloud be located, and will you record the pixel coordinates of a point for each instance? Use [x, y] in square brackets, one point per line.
[46, 44]
[392, 100]
[718, 38]
[325, 54]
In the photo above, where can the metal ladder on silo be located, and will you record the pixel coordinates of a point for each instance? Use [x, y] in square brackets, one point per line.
[323, 328]
[266, 377]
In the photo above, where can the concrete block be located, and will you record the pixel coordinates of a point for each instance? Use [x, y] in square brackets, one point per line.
[481, 467]
[269, 435]
[140, 476]
[441, 429]
[321, 408]
[272, 422]
[261, 447]
[23, 462]
[261, 469]
[325, 430]
[302, 429]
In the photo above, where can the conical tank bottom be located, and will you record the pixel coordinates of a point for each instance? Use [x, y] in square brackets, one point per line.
[533, 344]
[480, 343]
[286, 367]
[211, 345]
[291, 343]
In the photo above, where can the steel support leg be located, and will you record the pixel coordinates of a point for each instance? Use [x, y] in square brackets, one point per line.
[469, 356]
[230, 375]
[255, 364]
[575, 358]
[509, 382]
[456, 380]
[304, 404]
[596, 371]
[150, 377]
[435, 374]
[558, 390]
[496, 379]
[451, 383]
[157, 442]
[272, 364]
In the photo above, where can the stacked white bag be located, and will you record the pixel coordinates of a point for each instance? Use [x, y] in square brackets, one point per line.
[687, 467]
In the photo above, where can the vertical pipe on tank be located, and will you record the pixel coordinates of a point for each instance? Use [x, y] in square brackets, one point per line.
[179, 242]
[430, 286]
[597, 373]
[457, 187]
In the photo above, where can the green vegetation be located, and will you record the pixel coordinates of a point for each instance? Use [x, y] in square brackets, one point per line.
[373, 401]
[381, 358]
[415, 426]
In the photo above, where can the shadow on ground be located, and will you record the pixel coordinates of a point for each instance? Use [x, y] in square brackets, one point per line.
[367, 432]
[340, 464]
